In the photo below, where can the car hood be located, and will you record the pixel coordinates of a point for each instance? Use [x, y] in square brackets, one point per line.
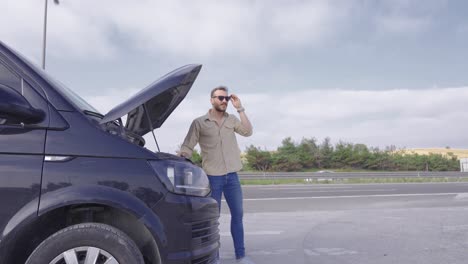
[149, 108]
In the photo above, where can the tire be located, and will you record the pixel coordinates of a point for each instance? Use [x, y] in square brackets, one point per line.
[89, 243]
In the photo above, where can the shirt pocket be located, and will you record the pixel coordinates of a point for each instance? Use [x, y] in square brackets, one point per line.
[209, 129]
[229, 126]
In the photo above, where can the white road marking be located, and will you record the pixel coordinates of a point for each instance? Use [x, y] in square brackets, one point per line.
[455, 228]
[461, 196]
[303, 187]
[309, 252]
[284, 251]
[392, 218]
[350, 185]
[315, 191]
[334, 251]
[255, 233]
[351, 196]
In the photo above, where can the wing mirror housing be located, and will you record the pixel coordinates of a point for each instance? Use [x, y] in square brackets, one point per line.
[15, 109]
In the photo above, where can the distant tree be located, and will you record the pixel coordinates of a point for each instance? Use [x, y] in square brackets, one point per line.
[326, 153]
[308, 151]
[291, 156]
[360, 155]
[342, 155]
[258, 159]
[372, 162]
[196, 158]
[287, 157]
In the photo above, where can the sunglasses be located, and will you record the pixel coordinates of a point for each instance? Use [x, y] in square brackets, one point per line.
[221, 98]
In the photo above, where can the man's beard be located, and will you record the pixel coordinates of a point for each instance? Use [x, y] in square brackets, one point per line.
[219, 109]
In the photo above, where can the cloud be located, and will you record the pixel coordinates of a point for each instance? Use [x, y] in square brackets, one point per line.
[210, 29]
[69, 33]
[84, 28]
[226, 32]
[406, 16]
[104, 103]
[220, 27]
[405, 118]
[402, 24]
[417, 118]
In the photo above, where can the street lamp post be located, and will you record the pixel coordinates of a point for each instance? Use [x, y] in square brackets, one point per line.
[44, 40]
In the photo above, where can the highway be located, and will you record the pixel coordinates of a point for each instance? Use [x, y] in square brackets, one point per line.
[362, 223]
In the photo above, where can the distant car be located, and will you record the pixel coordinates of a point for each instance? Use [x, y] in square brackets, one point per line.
[325, 171]
[77, 186]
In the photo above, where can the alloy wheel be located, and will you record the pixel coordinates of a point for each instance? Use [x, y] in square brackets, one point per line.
[84, 255]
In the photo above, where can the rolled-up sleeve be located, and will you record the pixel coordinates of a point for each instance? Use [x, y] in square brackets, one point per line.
[242, 130]
[191, 140]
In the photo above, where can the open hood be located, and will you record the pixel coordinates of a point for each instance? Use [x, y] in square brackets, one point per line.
[156, 102]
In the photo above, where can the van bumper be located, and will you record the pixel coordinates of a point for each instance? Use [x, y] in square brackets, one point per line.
[191, 227]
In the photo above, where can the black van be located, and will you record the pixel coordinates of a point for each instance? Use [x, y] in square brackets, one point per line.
[79, 187]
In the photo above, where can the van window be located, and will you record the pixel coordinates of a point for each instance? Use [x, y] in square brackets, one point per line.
[77, 100]
[8, 78]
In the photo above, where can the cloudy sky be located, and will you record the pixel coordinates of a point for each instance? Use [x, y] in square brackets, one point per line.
[363, 71]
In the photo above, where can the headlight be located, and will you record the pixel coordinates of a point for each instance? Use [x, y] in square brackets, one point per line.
[182, 177]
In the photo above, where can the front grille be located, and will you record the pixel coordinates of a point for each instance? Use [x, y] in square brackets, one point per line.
[208, 259]
[204, 232]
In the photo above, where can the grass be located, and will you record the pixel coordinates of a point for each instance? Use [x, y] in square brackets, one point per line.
[351, 181]
[341, 170]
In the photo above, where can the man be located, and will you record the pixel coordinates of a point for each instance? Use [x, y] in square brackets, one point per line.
[215, 133]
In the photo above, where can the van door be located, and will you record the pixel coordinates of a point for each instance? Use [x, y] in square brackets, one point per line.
[21, 152]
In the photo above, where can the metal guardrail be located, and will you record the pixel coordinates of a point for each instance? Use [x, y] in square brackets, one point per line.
[351, 175]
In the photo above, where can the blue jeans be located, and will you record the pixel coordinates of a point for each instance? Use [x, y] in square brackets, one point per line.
[230, 185]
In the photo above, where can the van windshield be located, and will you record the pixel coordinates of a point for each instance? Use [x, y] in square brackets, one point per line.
[72, 96]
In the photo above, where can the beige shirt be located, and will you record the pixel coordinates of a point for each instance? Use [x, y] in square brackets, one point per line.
[219, 149]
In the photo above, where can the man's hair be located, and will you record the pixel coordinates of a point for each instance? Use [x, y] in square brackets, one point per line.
[222, 88]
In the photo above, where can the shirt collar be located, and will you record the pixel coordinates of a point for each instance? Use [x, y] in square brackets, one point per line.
[209, 117]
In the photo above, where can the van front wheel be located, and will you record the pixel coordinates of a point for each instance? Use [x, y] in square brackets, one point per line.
[88, 243]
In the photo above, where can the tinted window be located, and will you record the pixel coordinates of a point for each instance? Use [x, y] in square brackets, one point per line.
[72, 96]
[36, 101]
[8, 78]
[76, 99]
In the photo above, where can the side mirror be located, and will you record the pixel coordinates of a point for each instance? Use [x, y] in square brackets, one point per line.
[15, 109]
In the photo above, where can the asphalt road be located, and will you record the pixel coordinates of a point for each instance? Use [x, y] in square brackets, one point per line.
[366, 223]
